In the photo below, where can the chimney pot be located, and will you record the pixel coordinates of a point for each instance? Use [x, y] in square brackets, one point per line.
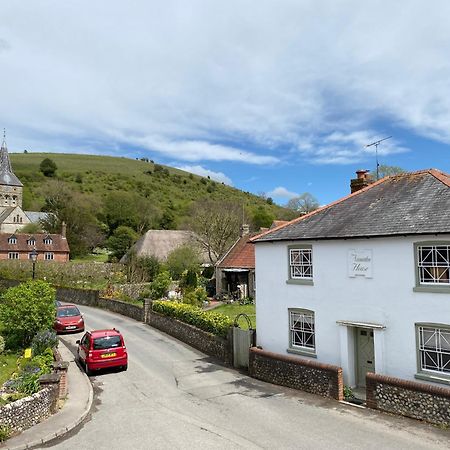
[245, 229]
[361, 181]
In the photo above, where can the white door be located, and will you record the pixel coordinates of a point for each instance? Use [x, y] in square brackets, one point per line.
[365, 355]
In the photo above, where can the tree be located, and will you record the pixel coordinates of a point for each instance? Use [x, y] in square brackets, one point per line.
[78, 212]
[48, 167]
[217, 224]
[183, 258]
[261, 218]
[160, 285]
[26, 309]
[304, 203]
[386, 171]
[141, 269]
[121, 241]
[31, 228]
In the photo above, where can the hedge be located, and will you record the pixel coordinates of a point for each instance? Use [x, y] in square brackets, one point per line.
[215, 323]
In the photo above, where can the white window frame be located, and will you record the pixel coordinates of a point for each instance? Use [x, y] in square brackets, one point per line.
[48, 241]
[49, 256]
[433, 351]
[13, 255]
[31, 242]
[12, 240]
[302, 331]
[300, 264]
[432, 266]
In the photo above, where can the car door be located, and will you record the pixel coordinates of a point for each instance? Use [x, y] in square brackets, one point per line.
[83, 348]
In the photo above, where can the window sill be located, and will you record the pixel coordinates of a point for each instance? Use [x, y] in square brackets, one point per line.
[433, 289]
[433, 378]
[302, 282]
[297, 351]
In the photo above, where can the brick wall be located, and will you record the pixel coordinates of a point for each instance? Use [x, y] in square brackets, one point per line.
[408, 398]
[201, 340]
[29, 411]
[306, 375]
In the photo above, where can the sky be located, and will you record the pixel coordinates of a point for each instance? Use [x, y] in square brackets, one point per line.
[275, 97]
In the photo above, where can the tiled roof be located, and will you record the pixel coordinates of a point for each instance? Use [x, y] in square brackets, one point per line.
[241, 255]
[405, 204]
[59, 244]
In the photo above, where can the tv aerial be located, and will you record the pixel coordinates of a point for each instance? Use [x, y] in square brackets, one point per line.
[376, 144]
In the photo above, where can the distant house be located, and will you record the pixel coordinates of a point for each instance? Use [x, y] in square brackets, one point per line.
[235, 271]
[160, 243]
[364, 282]
[49, 247]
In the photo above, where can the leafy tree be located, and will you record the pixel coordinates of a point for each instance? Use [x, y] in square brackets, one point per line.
[121, 241]
[48, 167]
[181, 259]
[78, 212]
[189, 279]
[141, 269]
[25, 310]
[386, 171]
[217, 224]
[168, 221]
[303, 204]
[262, 218]
[31, 228]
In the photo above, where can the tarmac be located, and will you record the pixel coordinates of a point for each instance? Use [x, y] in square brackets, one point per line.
[75, 409]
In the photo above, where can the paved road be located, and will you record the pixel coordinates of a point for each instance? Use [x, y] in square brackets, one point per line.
[173, 397]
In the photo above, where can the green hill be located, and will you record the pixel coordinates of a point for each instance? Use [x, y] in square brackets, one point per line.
[166, 189]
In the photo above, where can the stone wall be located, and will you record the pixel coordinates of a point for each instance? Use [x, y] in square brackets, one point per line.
[201, 340]
[126, 309]
[86, 297]
[29, 411]
[408, 398]
[306, 375]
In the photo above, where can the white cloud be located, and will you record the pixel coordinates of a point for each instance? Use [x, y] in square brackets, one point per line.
[203, 172]
[200, 81]
[281, 192]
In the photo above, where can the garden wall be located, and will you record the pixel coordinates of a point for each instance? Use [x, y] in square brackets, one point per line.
[408, 398]
[199, 339]
[29, 411]
[306, 375]
[126, 309]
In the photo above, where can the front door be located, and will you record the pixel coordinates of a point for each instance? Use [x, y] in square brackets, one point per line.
[365, 355]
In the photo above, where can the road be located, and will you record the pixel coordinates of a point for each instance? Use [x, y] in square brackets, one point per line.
[173, 397]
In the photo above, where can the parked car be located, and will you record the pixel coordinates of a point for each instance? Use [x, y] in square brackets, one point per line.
[102, 349]
[68, 319]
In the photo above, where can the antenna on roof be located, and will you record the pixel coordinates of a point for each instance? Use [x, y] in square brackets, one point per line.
[377, 143]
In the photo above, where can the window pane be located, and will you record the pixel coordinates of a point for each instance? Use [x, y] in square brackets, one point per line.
[302, 329]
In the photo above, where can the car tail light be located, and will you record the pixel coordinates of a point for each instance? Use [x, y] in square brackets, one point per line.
[90, 355]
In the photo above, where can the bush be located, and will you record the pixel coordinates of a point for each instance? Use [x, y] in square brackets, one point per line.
[25, 310]
[183, 258]
[42, 341]
[189, 280]
[160, 285]
[215, 323]
[48, 167]
[2, 344]
[5, 432]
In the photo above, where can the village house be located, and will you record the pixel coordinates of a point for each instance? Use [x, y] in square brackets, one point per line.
[363, 283]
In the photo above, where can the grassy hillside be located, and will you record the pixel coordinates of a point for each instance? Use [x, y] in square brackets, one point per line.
[165, 187]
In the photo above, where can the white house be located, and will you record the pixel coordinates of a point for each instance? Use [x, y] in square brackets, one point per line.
[363, 283]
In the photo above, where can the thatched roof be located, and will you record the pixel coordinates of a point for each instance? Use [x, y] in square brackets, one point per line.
[161, 243]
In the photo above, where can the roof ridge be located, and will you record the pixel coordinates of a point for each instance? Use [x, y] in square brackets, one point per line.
[441, 176]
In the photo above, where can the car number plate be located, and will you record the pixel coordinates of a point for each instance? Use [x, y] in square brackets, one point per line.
[70, 327]
[108, 355]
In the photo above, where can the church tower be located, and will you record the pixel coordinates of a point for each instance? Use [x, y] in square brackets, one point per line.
[10, 186]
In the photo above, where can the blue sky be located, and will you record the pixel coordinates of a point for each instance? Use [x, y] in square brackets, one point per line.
[280, 99]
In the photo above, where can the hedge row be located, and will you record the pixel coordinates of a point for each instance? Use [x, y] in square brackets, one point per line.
[215, 323]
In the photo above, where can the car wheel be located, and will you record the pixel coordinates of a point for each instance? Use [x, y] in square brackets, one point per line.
[125, 367]
[87, 370]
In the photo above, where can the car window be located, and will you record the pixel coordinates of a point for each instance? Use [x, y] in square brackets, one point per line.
[85, 341]
[68, 311]
[107, 342]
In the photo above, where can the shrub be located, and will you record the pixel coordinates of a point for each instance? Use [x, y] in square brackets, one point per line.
[160, 285]
[42, 341]
[48, 167]
[5, 432]
[189, 279]
[25, 310]
[183, 258]
[2, 344]
[215, 323]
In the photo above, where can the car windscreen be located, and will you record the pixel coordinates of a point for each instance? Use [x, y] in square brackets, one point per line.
[69, 311]
[107, 342]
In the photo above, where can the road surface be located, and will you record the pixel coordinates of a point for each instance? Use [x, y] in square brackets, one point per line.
[174, 397]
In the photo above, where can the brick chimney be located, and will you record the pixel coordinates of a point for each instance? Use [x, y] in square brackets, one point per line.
[245, 229]
[63, 230]
[362, 180]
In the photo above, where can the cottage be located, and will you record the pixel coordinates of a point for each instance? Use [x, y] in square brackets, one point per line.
[363, 283]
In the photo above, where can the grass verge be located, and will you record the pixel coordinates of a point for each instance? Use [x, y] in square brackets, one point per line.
[233, 309]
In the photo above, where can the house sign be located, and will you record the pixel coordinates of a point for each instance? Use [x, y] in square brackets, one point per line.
[359, 263]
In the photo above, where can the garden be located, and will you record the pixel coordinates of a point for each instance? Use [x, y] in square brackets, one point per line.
[27, 313]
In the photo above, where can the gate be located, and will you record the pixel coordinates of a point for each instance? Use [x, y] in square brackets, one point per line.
[242, 341]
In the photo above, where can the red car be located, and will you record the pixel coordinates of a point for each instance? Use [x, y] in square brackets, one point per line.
[102, 349]
[68, 319]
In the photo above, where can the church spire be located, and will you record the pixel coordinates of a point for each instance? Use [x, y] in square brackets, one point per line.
[7, 176]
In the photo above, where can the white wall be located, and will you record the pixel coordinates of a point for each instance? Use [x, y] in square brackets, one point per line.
[387, 299]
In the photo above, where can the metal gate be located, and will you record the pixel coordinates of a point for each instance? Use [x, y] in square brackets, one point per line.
[242, 341]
